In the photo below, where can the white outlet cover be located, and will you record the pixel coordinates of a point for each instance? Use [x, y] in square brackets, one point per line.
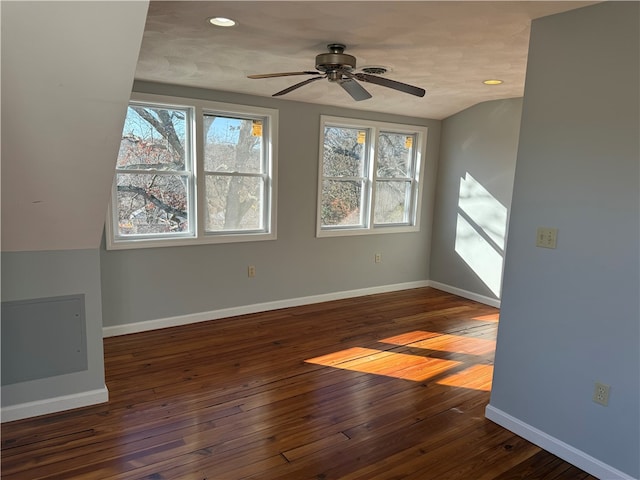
[601, 393]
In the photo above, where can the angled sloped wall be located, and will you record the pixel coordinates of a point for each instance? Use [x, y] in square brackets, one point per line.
[570, 315]
[67, 72]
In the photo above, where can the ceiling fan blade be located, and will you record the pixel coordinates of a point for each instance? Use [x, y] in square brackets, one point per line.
[297, 85]
[354, 89]
[385, 82]
[282, 74]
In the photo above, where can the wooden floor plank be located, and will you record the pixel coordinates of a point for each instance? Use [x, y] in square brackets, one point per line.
[384, 386]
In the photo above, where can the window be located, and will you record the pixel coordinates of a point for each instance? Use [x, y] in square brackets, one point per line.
[154, 181]
[191, 172]
[369, 177]
[236, 174]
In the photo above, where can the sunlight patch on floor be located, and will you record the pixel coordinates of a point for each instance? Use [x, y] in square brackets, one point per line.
[477, 377]
[492, 317]
[379, 362]
[455, 360]
[443, 342]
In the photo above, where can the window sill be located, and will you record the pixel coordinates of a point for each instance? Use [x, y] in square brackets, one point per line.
[345, 232]
[188, 241]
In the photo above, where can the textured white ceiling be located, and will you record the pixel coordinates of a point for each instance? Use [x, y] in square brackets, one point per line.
[447, 48]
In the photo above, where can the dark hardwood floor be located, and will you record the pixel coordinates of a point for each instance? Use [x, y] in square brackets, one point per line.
[389, 386]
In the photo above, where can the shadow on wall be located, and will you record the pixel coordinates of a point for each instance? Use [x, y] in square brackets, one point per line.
[481, 232]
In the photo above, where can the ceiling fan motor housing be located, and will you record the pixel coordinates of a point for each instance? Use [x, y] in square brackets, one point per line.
[335, 59]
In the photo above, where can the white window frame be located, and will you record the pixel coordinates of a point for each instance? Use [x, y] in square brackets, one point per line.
[195, 152]
[373, 129]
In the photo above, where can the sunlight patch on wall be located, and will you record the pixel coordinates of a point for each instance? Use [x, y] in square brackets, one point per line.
[481, 232]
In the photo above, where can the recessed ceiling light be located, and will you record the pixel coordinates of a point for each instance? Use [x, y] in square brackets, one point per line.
[492, 81]
[222, 22]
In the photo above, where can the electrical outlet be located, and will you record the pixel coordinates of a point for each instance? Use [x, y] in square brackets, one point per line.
[251, 271]
[601, 394]
[378, 258]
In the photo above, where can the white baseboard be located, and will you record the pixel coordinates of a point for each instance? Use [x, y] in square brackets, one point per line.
[576, 457]
[52, 405]
[493, 302]
[115, 330]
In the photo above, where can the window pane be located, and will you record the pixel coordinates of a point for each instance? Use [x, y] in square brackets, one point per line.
[153, 138]
[395, 155]
[232, 144]
[392, 202]
[151, 204]
[341, 203]
[234, 203]
[344, 152]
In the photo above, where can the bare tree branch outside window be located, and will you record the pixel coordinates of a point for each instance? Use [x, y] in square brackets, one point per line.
[151, 178]
[162, 177]
[369, 176]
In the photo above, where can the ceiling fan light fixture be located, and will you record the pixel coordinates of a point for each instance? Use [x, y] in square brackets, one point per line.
[493, 81]
[222, 22]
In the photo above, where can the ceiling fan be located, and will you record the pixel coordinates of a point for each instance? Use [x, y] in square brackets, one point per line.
[337, 67]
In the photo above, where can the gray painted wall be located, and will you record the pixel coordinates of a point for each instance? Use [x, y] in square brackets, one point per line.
[30, 275]
[570, 316]
[210, 277]
[473, 196]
